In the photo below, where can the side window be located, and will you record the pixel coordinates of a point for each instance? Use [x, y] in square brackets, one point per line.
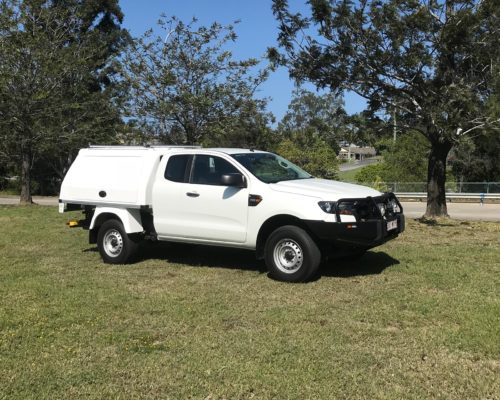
[208, 170]
[176, 168]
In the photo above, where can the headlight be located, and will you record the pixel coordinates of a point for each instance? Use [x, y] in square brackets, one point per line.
[381, 207]
[394, 206]
[327, 206]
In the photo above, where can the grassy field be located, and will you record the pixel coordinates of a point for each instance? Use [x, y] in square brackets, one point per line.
[348, 176]
[9, 192]
[416, 318]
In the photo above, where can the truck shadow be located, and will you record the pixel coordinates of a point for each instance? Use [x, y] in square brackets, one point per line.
[371, 263]
[203, 256]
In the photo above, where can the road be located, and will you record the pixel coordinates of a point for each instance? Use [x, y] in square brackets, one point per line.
[41, 200]
[358, 164]
[465, 211]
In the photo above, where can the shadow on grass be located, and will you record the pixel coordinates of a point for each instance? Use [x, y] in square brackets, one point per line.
[197, 255]
[371, 263]
[437, 221]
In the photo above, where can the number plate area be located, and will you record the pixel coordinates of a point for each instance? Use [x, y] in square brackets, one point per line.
[392, 225]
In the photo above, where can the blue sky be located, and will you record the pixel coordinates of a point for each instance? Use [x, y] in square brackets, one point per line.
[256, 32]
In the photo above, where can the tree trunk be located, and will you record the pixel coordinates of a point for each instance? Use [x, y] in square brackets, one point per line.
[26, 178]
[436, 179]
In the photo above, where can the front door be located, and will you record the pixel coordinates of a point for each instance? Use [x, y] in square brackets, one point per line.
[189, 201]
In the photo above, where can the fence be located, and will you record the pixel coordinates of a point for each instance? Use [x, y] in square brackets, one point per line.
[451, 187]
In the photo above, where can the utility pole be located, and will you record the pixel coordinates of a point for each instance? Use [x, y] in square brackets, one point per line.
[394, 129]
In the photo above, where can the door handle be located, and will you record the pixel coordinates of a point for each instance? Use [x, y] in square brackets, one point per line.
[192, 194]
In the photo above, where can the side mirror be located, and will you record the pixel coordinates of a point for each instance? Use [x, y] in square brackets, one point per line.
[234, 179]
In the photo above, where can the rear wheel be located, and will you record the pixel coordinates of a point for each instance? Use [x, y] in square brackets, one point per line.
[114, 245]
[291, 255]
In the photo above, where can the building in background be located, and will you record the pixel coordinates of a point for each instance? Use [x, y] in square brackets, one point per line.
[356, 153]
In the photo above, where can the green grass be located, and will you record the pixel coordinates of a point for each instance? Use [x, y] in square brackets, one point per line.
[348, 176]
[416, 318]
[9, 192]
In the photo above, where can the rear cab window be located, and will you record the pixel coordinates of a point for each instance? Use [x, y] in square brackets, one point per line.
[177, 168]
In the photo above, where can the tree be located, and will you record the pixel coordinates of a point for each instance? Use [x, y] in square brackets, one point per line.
[432, 61]
[98, 28]
[249, 128]
[406, 159]
[55, 79]
[312, 154]
[364, 129]
[185, 85]
[475, 159]
[310, 114]
[403, 161]
[371, 173]
[309, 132]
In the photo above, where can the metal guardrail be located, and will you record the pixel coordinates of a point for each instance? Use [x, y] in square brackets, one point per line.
[480, 197]
[455, 191]
[451, 187]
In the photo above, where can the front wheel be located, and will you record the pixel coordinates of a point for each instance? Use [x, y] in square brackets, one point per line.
[291, 255]
[114, 245]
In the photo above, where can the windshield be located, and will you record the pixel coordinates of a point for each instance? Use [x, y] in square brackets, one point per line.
[270, 168]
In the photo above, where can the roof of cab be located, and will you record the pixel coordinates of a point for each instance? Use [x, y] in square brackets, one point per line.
[226, 150]
[234, 150]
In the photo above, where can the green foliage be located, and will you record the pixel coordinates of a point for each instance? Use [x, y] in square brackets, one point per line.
[371, 173]
[380, 185]
[313, 155]
[56, 92]
[403, 161]
[475, 159]
[364, 129]
[249, 128]
[310, 130]
[433, 62]
[406, 160]
[185, 87]
[314, 114]
[3, 177]
[383, 144]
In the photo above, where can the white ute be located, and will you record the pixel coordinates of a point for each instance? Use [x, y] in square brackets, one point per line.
[224, 197]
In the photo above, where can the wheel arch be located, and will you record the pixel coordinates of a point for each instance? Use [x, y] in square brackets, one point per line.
[273, 223]
[130, 219]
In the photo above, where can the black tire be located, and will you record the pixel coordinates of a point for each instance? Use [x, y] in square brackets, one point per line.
[114, 245]
[291, 255]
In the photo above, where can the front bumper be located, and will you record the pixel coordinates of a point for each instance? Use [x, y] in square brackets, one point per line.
[364, 234]
[371, 228]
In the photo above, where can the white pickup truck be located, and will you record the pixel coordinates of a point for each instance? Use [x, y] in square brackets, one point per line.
[240, 198]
